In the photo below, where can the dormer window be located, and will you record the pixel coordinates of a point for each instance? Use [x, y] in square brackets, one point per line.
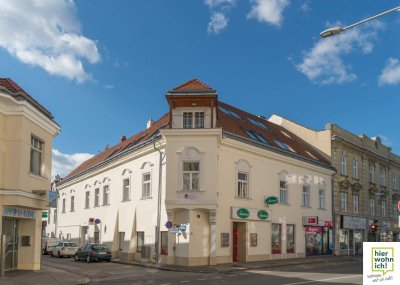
[193, 120]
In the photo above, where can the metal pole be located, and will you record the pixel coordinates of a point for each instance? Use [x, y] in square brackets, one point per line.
[3, 254]
[372, 18]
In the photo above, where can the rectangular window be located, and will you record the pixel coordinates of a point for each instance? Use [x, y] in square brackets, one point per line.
[343, 165]
[164, 243]
[283, 192]
[243, 184]
[87, 199]
[372, 173]
[146, 191]
[72, 203]
[394, 210]
[96, 197]
[140, 241]
[306, 196]
[121, 240]
[372, 207]
[106, 195]
[276, 238]
[355, 203]
[383, 208]
[55, 216]
[321, 199]
[383, 176]
[191, 173]
[126, 189]
[343, 201]
[355, 168]
[36, 156]
[63, 205]
[199, 120]
[187, 120]
[290, 238]
[394, 182]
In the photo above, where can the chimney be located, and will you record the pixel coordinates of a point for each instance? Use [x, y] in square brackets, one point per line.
[149, 123]
[261, 117]
[123, 138]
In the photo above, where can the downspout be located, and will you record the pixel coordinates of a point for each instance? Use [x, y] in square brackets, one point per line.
[333, 215]
[157, 230]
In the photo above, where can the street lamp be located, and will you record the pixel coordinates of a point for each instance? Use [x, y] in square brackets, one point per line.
[337, 30]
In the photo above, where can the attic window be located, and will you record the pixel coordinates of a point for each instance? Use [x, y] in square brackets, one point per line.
[256, 136]
[229, 112]
[257, 123]
[311, 155]
[286, 134]
[284, 145]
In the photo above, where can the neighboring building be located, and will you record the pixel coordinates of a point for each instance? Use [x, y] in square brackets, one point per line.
[26, 133]
[366, 186]
[202, 173]
[49, 221]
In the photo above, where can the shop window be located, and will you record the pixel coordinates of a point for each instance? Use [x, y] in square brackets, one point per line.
[49, 215]
[140, 241]
[276, 239]
[126, 189]
[121, 240]
[146, 190]
[164, 243]
[97, 197]
[191, 173]
[290, 241]
[106, 195]
[242, 184]
[283, 192]
[36, 155]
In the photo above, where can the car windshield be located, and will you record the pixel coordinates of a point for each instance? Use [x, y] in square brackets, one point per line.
[100, 247]
[71, 244]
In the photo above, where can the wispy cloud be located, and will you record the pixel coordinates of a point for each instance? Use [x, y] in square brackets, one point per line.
[325, 64]
[217, 23]
[47, 34]
[219, 19]
[305, 7]
[109, 86]
[391, 73]
[269, 11]
[385, 140]
[63, 163]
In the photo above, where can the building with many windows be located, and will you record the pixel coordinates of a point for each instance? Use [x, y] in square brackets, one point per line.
[26, 133]
[207, 183]
[366, 188]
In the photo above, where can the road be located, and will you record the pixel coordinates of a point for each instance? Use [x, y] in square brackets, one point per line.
[349, 272]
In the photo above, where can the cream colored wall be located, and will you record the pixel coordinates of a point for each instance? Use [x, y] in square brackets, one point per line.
[29, 257]
[177, 115]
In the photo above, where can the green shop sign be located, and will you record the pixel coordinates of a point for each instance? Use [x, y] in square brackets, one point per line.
[271, 200]
[243, 213]
[262, 214]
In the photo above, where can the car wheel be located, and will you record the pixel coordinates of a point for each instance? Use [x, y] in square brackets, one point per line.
[108, 260]
[88, 259]
[76, 258]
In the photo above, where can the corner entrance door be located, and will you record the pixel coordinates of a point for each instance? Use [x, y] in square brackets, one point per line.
[10, 230]
[234, 243]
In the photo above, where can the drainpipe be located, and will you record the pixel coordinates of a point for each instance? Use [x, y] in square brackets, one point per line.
[157, 234]
[333, 215]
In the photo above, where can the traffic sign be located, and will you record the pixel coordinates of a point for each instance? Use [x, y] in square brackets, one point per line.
[168, 224]
[97, 221]
[174, 231]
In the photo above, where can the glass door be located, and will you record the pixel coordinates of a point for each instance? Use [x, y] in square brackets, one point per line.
[358, 241]
[10, 230]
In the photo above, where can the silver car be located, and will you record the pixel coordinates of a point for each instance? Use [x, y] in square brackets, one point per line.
[64, 249]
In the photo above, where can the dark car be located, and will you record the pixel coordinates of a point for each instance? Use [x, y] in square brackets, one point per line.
[93, 252]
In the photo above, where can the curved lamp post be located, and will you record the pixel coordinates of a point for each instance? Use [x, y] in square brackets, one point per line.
[337, 30]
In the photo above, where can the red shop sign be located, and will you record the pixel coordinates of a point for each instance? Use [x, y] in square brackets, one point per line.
[329, 224]
[313, 229]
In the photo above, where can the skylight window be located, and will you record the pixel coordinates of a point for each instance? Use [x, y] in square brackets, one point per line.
[256, 136]
[311, 155]
[282, 145]
[257, 123]
[229, 112]
[286, 134]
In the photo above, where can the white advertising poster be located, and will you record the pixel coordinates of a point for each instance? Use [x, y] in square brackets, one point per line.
[381, 263]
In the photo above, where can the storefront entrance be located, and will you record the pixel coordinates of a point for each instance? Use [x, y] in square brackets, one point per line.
[318, 240]
[238, 242]
[351, 241]
[10, 228]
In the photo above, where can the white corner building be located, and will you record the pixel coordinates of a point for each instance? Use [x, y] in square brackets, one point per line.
[206, 184]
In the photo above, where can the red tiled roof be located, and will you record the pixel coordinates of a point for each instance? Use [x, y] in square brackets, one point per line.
[193, 85]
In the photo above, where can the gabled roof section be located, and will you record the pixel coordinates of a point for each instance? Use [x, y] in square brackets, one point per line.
[117, 149]
[192, 86]
[19, 94]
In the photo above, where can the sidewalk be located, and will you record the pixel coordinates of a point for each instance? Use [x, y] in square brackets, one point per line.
[47, 275]
[231, 267]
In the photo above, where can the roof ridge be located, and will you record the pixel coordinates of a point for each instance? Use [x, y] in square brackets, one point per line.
[193, 84]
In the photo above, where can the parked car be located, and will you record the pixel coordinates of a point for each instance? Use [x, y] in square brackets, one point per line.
[47, 244]
[64, 249]
[93, 252]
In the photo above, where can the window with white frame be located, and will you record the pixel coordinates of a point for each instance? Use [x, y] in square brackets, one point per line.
[394, 182]
[372, 206]
[355, 203]
[343, 165]
[394, 210]
[63, 205]
[283, 192]
[188, 121]
[72, 204]
[106, 195]
[87, 199]
[372, 173]
[383, 208]
[355, 168]
[126, 189]
[146, 190]
[191, 172]
[383, 176]
[97, 197]
[321, 198]
[36, 155]
[242, 184]
[199, 120]
[343, 201]
[306, 196]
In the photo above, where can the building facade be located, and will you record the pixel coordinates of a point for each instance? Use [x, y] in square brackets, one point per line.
[366, 186]
[26, 133]
[207, 183]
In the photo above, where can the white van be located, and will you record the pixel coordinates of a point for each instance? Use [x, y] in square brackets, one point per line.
[47, 244]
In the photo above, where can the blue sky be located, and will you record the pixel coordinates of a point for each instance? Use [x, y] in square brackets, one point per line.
[103, 67]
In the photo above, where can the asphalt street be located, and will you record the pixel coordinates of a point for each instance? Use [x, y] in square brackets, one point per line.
[343, 272]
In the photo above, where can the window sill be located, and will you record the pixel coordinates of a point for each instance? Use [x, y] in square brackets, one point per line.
[244, 198]
[63, 212]
[146, 198]
[87, 208]
[72, 211]
[190, 190]
[128, 200]
[40, 177]
[324, 209]
[307, 207]
[283, 204]
[344, 175]
[108, 204]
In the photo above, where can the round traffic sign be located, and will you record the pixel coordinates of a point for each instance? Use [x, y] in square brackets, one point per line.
[168, 224]
[97, 221]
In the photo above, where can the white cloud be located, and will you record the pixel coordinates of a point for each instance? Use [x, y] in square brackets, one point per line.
[324, 63]
[63, 163]
[391, 73]
[214, 3]
[109, 86]
[217, 23]
[269, 11]
[47, 34]
[305, 7]
[384, 140]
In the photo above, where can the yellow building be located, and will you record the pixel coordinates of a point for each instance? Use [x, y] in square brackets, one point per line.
[26, 133]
